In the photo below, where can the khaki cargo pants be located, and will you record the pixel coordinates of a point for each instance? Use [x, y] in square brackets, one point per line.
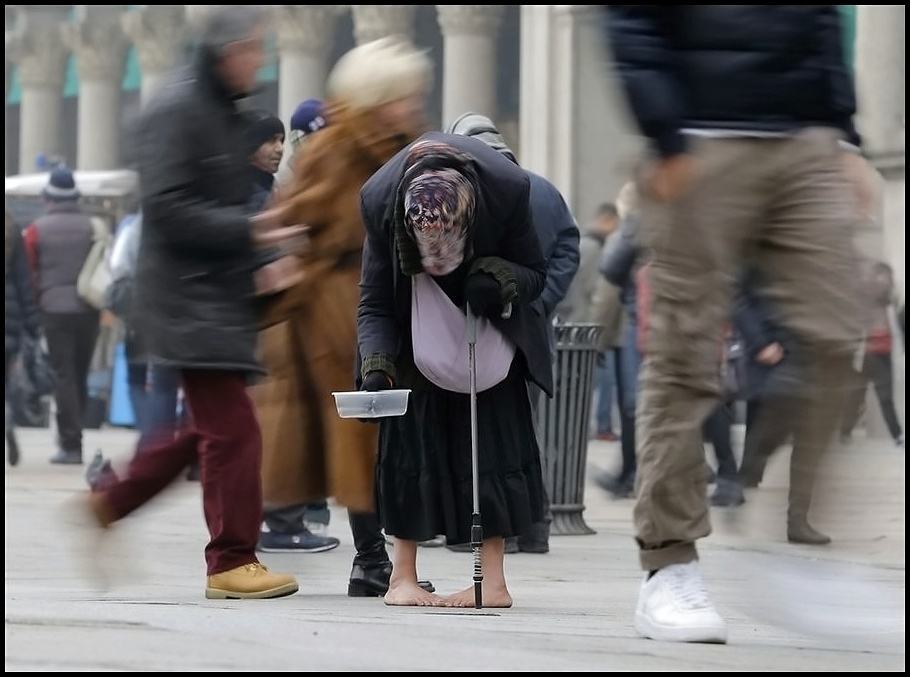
[784, 206]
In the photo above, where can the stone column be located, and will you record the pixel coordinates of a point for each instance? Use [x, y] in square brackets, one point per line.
[880, 78]
[469, 66]
[9, 16]
[881, 120]
[880, 73]
[7, 67]
[372, 22]
[159, 35]
[99, 45]
[576, 129]
[36, 48]
[304, 36]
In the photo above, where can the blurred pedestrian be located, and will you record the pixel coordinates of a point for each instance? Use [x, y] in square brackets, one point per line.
[749, 110]
[374, 107]
[58, 245]
[622, 259]
[22, 317]
[778, 393]
[283, 528]
[877, 364]
[593, 299]
[195, 285]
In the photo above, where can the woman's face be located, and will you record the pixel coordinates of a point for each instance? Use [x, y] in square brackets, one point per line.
[438, 204]
[440, 253]
[441, 248]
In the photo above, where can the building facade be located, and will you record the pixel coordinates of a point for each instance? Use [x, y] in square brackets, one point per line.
[77, 75]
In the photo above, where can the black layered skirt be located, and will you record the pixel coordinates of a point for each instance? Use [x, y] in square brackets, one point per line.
[424, 469]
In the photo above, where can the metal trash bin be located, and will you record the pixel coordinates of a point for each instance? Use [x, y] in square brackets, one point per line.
[562, 425]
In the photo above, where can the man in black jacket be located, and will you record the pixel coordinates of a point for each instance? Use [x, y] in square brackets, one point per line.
[195, 283]
[749, 110]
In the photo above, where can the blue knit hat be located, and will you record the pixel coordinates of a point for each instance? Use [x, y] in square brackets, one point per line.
[62, 186]
[309, 117]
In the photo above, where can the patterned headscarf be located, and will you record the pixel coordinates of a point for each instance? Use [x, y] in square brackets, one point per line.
[435, 209]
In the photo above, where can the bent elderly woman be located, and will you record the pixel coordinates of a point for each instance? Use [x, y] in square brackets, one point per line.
[448, 226]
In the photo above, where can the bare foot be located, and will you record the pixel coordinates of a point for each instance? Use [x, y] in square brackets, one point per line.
[494, 597]
[408, 593]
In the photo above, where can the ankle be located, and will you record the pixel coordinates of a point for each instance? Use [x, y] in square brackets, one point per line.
[402, 579]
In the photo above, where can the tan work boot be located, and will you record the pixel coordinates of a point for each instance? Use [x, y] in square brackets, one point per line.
[101, 510]
[250, 581]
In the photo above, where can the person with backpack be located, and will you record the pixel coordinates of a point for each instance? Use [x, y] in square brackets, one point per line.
[58, 245]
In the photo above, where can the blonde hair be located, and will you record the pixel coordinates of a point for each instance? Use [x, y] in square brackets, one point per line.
[379, 72]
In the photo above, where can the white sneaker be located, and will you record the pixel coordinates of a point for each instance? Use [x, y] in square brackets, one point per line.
[673, 606]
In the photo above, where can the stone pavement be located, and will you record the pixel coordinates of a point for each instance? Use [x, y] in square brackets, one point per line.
[789, 607]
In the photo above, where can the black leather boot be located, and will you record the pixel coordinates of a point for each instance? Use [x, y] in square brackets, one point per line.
[372, 569]
[369, 580]
[372, 580]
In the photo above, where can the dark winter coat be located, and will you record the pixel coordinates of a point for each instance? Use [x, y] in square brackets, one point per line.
[195, 278]
[755, 68]
[502, 229]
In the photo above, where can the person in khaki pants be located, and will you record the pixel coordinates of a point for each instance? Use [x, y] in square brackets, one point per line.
[749, 110]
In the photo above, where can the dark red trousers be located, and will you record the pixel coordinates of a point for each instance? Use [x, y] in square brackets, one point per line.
[225, 435]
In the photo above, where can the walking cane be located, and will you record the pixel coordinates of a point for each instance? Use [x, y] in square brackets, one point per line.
[476, 525]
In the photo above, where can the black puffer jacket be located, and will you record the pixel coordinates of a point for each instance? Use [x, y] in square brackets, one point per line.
[194, 279]
[21, 308]
[502, 228]
[772, 68]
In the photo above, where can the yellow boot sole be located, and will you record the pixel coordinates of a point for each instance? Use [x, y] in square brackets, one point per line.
[272, 593]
